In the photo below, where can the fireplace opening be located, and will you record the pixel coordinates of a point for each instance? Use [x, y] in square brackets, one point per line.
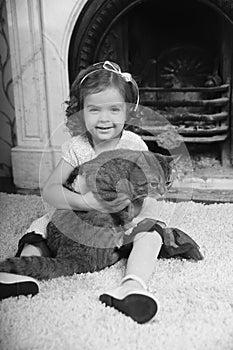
[180, 53]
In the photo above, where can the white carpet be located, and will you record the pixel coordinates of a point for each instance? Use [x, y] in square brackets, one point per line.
[196, 299]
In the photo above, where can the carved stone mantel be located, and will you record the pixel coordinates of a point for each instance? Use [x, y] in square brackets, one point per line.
[39, 32]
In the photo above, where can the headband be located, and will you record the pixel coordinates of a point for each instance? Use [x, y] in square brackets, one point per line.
[113, 67]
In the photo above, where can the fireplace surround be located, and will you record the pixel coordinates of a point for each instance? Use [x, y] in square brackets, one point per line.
[179, 52]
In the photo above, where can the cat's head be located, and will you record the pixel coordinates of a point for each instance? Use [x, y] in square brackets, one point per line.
[159, 170]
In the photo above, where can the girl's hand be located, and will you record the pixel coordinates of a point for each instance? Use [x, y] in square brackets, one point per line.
[80, 185]
[116, 205]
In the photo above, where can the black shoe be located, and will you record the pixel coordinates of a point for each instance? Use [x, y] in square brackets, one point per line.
[139, 304]
[12, 285]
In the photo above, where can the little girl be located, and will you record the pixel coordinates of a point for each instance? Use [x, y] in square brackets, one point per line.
[102, 98]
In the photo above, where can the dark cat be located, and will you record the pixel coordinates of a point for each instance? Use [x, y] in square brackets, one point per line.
[81, 242]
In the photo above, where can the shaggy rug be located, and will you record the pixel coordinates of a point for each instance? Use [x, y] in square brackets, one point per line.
[196, 299]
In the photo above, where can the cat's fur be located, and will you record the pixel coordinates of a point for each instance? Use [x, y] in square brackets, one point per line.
[82, 242]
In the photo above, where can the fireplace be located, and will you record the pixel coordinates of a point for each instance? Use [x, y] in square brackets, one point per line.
[180, 53]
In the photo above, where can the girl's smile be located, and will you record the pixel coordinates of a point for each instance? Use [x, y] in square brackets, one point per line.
[105, 114]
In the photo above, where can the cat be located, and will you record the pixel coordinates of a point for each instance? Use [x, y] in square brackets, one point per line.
[137, 173]
[80, 242]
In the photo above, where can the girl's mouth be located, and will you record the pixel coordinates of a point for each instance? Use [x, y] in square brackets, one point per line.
[104, 127]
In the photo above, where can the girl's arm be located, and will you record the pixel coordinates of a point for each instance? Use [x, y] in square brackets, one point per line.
[56, 194]
[61, 198]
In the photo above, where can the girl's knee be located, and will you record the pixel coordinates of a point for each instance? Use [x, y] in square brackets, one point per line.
[31, 250]
[151, 237]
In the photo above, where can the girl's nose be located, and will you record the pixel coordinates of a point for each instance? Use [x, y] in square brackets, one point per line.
[104, 115]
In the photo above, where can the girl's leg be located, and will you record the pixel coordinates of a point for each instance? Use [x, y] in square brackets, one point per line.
[131, 297]
[32, 243]
[27, 247]
[142, 259]
[30, 250]
[12, 284]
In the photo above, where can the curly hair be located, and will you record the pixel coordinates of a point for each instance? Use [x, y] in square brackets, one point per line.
[92, 80]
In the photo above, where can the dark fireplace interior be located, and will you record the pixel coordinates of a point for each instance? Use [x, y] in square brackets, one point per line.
[180, 53]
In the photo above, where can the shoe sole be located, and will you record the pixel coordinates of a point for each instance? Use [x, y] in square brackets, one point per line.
[139, 307]
[16, 289]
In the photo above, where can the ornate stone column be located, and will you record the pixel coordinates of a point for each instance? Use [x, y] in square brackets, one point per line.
[30, 96]
[39, 33]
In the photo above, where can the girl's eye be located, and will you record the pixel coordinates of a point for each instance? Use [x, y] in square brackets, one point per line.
[115, 109]
[93, 110]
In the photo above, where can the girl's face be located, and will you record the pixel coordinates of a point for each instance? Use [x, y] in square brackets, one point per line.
[104, 114]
